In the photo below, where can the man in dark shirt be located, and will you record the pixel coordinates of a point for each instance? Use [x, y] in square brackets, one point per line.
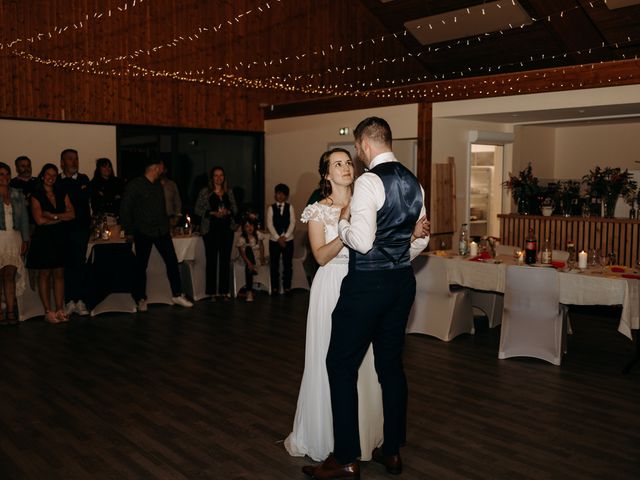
[143, 215]
[77, 186]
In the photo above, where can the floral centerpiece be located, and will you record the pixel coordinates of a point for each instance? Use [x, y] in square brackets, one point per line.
[524, 190]
[608, 184]
[567, 193]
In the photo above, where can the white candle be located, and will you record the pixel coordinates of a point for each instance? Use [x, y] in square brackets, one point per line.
[521, 258]
[582, 260]
[473, 249]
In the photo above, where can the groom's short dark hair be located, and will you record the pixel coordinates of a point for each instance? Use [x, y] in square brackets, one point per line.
[375, 128]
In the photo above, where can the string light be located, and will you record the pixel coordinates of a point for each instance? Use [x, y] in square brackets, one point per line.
[37, 37]
[302, 83]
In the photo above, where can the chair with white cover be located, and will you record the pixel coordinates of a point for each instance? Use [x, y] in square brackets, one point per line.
[491, 303]
[438, 311]
[299, 275]
[261, 281]
[532, 321]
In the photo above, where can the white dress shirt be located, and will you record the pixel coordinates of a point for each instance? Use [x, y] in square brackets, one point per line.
[274, 235]
[368, 197]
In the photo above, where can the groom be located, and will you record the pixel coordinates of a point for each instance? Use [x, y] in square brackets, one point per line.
[375, 300]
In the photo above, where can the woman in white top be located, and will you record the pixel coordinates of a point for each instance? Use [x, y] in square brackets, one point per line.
[312, 433]
[14, 235]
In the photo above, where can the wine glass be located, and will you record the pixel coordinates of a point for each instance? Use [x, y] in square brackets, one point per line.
[603, 259]
[593, 257]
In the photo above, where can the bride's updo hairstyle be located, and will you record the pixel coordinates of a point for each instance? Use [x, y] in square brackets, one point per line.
[323, 169]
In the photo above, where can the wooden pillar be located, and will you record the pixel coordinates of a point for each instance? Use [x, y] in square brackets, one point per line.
[425, 130]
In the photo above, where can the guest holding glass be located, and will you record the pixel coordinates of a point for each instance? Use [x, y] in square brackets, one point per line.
[106, 189]
[14, 235]
[216, 206]
[51, 209]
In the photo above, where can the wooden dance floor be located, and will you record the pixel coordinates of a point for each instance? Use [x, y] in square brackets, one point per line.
[209, 393]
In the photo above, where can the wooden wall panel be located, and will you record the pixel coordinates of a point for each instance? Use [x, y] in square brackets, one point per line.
[606, 234]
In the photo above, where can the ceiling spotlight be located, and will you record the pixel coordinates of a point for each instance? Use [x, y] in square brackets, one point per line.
[344, 131]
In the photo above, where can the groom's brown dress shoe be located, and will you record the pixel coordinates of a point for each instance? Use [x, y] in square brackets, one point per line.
[393, 463]
[330, 469]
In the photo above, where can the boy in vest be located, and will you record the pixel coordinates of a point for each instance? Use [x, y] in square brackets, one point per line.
[281, 221]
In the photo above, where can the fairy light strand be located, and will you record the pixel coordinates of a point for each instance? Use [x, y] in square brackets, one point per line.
[80, 25]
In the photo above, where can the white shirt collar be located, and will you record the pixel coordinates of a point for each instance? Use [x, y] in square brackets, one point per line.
[74, 176]
[382, 158]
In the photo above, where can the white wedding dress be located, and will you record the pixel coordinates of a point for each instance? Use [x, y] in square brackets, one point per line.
[312, 433]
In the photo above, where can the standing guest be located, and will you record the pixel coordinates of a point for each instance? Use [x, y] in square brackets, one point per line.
[251, 247]
[14, 235]
[172, 199]
[216, 206]
[106, 189]
[24, 181]
[77, 186]
[143, 215]
[376, 295]
[281, 221]
[51, 209]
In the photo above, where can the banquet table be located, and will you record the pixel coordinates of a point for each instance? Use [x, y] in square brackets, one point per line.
[593, 286]
[111, 292]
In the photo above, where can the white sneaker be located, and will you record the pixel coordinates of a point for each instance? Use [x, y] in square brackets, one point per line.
[69, 308]
[182, 301]
[81, 308]
[142, 305]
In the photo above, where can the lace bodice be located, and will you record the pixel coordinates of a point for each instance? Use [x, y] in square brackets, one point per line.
[329, 217]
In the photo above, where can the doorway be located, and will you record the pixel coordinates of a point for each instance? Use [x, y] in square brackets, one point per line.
[490, 156]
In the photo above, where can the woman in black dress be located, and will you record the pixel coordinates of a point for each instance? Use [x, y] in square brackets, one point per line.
[216, 206]
[106, 189]
[51, 208]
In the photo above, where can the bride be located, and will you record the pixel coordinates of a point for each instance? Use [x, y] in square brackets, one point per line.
[312, 433]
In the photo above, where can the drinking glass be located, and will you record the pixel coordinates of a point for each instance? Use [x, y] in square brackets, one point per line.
[604, 261]
[592, 259]
[613, 258]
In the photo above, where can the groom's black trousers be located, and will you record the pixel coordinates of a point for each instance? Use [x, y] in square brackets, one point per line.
[373, 308]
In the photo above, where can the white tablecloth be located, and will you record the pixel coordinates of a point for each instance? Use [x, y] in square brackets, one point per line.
[191, 256]
[588, 288]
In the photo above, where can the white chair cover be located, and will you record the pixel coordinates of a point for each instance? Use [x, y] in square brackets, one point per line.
[438, 311]
[490, 303]
[532, 320]
[299, 275]
[261, 281]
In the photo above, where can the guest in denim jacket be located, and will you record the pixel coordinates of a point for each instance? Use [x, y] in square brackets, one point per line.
[14, 235]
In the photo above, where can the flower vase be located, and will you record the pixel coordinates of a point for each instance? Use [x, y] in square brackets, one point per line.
[523, 206]
[609, 205]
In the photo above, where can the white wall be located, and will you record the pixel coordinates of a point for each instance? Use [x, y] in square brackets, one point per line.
[535, 145]
[580, 149]
[42, 142]
[293, 145]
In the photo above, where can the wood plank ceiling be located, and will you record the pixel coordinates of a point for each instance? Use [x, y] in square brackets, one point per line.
[235, 55]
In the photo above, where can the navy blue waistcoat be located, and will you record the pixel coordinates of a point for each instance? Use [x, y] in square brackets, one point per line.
[395, 221]
[281, 222]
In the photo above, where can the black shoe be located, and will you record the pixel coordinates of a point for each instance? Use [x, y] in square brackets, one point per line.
[393, 463]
